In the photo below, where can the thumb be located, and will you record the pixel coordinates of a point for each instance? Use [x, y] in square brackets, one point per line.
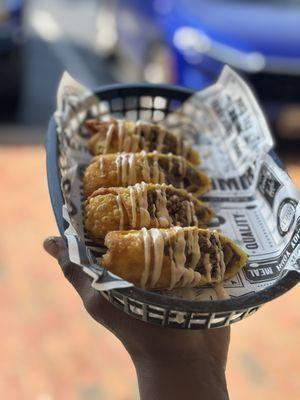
[51, 245]
[56, 247]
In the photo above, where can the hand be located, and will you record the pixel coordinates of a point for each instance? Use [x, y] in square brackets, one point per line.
[181, 362]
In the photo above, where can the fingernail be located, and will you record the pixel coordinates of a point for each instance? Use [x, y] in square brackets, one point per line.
[50, 244]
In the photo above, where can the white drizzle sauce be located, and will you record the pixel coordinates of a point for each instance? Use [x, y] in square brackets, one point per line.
[108, 138]
[162, 214]
[142, 195]
[221, 291]
[129, 142]
[126, 168]
[121, 132]
[133, 206]
[101, 166]
[147, 248]
[220, 256]
[145, 167]
[179, 255]
[157, 175]
[155, 169]
[193, 246]
[132, 168]
[158, 246]
[176, 246]
[160, 139]
[139, 127]
[207, 265]
[170, 162]
[139, 205]
[194, 216]
[120, 207]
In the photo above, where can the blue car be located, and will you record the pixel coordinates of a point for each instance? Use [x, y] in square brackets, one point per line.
[187, 42]
[10, 55]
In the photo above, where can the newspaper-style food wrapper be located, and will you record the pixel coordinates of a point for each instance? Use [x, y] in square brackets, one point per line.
[255, 201]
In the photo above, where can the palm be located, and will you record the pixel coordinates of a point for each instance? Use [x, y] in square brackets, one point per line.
[137, 336]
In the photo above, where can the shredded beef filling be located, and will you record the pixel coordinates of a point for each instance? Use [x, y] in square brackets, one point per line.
[212, 251]
[230, 256]
[204, 248]
[149, 135]
[177, 207]
[191, 179]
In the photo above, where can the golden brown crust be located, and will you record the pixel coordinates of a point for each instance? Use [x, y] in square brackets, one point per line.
[126, 258]
[103, 172]
[118, 135]
[110, 209]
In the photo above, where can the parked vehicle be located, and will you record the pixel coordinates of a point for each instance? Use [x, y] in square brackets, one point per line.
[188, 41]
[10, 54]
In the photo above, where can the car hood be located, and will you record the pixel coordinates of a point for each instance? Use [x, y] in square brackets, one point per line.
[270, 29]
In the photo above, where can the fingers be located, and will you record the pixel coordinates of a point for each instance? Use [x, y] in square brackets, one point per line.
[51, 247]
[56, 247]
[99, 308]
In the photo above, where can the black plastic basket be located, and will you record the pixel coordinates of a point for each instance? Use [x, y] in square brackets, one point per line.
[145, 305]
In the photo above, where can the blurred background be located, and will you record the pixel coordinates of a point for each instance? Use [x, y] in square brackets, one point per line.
[50, 348]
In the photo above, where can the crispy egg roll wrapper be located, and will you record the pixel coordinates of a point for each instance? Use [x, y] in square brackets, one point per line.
[172, 258]
[115, 136]
[143, 205]
[125, 169]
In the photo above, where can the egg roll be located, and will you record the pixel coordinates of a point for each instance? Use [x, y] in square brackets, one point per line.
[172, 258]
[125, 169]
[142, 205]
[115, 136]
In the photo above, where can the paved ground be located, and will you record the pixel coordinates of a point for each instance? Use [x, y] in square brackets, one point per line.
[52, 350]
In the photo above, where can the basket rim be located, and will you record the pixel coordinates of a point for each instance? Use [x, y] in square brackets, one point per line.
[282, 284]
